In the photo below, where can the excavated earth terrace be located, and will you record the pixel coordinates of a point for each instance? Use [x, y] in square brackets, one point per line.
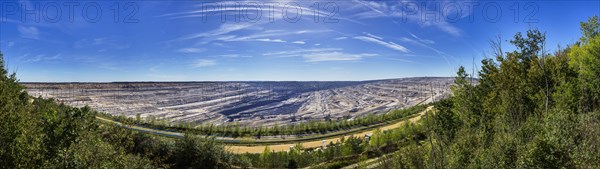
[250, 103]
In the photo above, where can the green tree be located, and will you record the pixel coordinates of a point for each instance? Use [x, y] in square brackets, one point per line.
[195, 152]
[21, 145]
[265, 157]
[589, 29]
[376, 139]
[585, 60]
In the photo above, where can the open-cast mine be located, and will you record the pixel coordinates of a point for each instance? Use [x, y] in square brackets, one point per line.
[247, 103]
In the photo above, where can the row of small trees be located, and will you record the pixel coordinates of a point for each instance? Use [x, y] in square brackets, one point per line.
[345, 152]
[305, 128]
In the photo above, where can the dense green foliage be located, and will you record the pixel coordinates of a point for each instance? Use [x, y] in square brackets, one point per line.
[529, 109]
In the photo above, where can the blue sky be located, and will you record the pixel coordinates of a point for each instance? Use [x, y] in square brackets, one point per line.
[267, 40]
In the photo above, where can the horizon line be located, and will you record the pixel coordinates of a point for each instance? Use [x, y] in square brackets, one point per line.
[212, 81]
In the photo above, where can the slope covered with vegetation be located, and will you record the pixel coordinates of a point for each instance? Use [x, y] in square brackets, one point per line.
[41, 133]
[530, 109]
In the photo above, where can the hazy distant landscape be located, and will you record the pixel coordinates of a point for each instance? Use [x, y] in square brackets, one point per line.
[254, 103]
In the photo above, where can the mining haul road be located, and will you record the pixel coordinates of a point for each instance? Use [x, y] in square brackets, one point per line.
[241, 149]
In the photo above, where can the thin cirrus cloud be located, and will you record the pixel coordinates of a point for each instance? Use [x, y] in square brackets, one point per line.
[200, 63]
[427, 41]
[94, 42]
[223, 29]
[234, 56]
[299, 52]
[29, 32]
[341, 38]
[335, 56]
[299, 42]
[41, 58]
[264, 12]
[227, 33]
[268, 34]
[321, 54]
[380, 42]
[270, 40]
[373, 36]
[191, 50]
[395, 9]
[249, 31]
[428, 44]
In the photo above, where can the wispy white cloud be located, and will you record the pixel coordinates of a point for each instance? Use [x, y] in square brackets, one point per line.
[109, 42]
[234, 56]
[300, 52]
[271, 40]
[299, 42]
[401, 60]
[41, 58]
[268, 34]
[341, 38]
[203, 63]
[415, 40]
[429, 45]
[191, 50]
[334, 56]
[29, 32]
[321, 54]
[373, 36]
[222, 30]
[390, 44]
[237, 32]
[395, 9]
[422, 40]
[154, 68]
[270, 10]
[227, 34]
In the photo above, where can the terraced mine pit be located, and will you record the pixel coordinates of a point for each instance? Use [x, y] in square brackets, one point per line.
[247, 103]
